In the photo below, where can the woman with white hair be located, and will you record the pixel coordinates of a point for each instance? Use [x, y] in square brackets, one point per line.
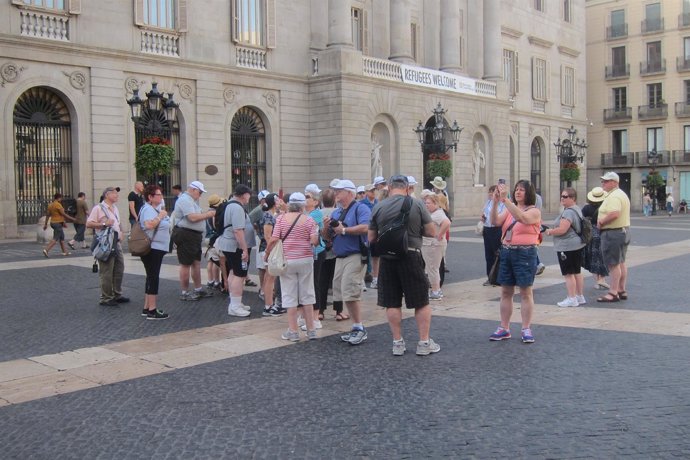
[299, 234]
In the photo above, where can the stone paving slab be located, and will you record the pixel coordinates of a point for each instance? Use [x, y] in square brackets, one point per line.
[21, 368]
[118, 371]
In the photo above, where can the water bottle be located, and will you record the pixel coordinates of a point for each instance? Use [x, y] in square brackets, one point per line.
[245, 265]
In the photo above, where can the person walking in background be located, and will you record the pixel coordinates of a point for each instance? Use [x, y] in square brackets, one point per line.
[154, 220]
[57, 217]
[439, 188]
[669, 204]
[404, 276]
[135, 200]
[111, 271]
[592, 259]
[614, 223]
[299, 234]
[188, 234]
[568, 245]
[434, 248]
[521, 223]
[646, 204]
[80, 222]
[491, 233]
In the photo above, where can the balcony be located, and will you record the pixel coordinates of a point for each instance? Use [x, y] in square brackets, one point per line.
[617, 71]
[683, 20]
[680, 157]
[653, 67]
[617, 31]
[663, 158]
[683, 63]
[617, 115]
[650, 26]
[617, 159]
[682, 109]
[652, 112]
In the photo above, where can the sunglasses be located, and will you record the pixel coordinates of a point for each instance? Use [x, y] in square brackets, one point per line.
[563, 197]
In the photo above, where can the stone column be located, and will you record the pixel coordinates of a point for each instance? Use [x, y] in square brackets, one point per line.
[475, 42]
[450, 36]
[492, 40]
[339, 26]
[379, 29]
[319, 25]
[401, 41]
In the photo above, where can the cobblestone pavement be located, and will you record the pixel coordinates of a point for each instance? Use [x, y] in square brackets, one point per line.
[603, 381]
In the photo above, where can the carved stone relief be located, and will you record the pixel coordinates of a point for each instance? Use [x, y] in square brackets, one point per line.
[77, 79]
[9, 73]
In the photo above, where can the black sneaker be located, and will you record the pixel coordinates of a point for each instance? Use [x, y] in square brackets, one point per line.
[122, 299]
[145, 312]
[156, 314]
[280, 310]
[270, 311]
[109, 303]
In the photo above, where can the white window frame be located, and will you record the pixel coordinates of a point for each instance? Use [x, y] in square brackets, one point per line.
[568, 86]
[511, 71]
[177, 14]
[540, 5]
[655, 139]
[540, 79]
[567, 11]
[686, 138]
[265, 22]
[56, 6]
[160, 13]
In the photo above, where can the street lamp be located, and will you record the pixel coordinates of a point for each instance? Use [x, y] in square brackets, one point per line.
[568, 151]
[433, 138]
[159, 115]
[652, 180]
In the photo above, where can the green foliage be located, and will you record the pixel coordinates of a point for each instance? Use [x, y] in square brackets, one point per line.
[154, 159]
[570, 172]
[655, 180]
[443, 168]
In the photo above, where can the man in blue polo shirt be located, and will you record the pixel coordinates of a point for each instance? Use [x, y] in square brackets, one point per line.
[347, 228]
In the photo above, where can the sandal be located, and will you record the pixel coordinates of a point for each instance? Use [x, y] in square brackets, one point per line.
[609, 298]
[623, 295]
[321, 317]
[250, 283]
[342, 316]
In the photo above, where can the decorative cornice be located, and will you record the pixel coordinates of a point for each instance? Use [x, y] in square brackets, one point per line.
[568, 51]
[539, 41]
[510, 32]
[9, 73]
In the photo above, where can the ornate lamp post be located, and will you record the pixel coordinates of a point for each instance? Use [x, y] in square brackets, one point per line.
[654, 180]
[432, 139]
[568, 151]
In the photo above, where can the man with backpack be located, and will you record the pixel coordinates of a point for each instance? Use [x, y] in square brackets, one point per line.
[236, 239]
[401, 270]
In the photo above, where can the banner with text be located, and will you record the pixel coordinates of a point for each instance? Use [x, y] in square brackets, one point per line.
[439, 80]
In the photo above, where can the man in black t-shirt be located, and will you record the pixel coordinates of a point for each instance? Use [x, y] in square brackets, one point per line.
[136, 201]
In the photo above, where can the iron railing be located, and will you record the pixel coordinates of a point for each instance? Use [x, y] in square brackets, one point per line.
[618, 114]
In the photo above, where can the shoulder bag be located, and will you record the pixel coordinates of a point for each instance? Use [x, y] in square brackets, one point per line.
[139, 242]
[276, 263]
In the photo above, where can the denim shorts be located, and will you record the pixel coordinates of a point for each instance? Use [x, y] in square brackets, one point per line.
[518, 266]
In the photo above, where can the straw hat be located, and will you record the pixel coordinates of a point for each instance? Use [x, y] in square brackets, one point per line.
[214, 200]
[596, 195]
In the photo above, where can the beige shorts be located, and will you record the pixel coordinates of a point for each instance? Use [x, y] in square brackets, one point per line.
[348, 278]
[297, 283]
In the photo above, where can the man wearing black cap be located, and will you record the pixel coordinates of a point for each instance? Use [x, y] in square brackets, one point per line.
[404, 275]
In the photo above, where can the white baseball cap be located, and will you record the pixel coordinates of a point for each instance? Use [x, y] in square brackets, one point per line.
[312, 188]
[263, 194]
[297, 197]
[334, 182]
[379, 180]
[197, 185]
[411, 180]
[611, 176]
[361, 189]
[345, 184]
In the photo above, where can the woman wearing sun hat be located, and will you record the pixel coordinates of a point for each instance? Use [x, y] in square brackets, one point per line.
[440, 190]
[592, 259]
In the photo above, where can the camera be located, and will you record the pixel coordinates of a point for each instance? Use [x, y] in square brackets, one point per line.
[334, 223]
[502, 181]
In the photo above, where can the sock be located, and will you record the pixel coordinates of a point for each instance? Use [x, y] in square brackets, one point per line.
[199, 289]
[268, 307]
[374, 278]
[235, 301]
[357, 326]
[424, 342]
[398, 341]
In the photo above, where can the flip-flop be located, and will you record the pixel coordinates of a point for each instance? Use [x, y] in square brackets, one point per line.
[342, 317]
[610, 297]
[249, 283]
[71, 245]
[623, 295]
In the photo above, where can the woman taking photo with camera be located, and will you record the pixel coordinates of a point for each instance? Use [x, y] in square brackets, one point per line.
[520, 222]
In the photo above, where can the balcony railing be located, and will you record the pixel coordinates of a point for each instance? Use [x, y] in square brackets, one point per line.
[161, 43]
[617, 31]
[381, 68]
[682, 63]
[44, 25]
[251, 58]
[652, 25]
[650, 112]
[641, 159]
[619, 114]
[680, 157]
[617, 71]
[617, 159]
[653, 67]
[663, 158]
[682, 109]
[684, 20]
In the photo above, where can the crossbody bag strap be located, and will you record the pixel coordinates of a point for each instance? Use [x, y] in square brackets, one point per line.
[515, 221]
[290, 229]
[155, 230]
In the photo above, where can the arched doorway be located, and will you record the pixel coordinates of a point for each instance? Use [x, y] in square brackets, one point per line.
[248, 146]
[535, 165]
[42, 152]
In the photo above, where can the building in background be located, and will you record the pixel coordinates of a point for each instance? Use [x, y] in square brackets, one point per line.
[278, 94]
[638, 95]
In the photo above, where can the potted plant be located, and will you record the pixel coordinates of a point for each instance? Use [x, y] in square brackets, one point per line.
[570, 172]
[439, 164]
[154, 156]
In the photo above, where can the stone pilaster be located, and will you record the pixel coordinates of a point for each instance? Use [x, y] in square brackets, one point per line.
[450, 36]
[401, 41]
[492, 40]
[339, 26]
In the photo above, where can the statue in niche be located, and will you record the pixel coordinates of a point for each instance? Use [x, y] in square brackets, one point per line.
[478, 163]
[376, 165]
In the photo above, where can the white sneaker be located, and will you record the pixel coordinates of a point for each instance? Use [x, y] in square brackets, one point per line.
[246, 307]
[317, 325]
[374, 283]
[301, 322]
[581, 299]
[568, 302]
[237, 311]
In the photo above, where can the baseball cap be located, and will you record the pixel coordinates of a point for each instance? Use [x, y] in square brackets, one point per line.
[345, 184]
[399, 179]
[298, 197]
[334, 182]
[361, 189]
[611, 176]
[263, 194]
[369, 187]
[312, 188]
[197, 185]
[111, 189]
[379, 180]
[411, 180]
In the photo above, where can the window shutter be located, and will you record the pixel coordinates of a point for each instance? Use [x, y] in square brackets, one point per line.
[235, 21]
[365, 32]
[547, 96]
[574, 83]
[181, 25]
[564, 86]
[535, 80]
[517, 74]
[270, 23]
[139, 12]
[74, 7]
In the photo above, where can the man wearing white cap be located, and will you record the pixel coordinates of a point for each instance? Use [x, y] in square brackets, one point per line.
[411, 181]
[347, 227]
[254, 217]
[188, 233]
[614, 223]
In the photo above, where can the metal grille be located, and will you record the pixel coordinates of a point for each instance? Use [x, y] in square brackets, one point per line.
[248, 143]
[42, 153]
[535, 166]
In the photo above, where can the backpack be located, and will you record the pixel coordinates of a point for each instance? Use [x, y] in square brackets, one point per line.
[585, 230]
[391, 242]
[103, 244]
[219, 221]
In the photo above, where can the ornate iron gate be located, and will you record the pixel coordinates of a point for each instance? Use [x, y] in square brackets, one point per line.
[248, 144]
[42, 152]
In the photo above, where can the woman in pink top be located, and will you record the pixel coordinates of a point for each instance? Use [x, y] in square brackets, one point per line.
[297, 284]
[521, 222]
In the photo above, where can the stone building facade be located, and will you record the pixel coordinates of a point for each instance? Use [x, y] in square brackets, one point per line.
[278, 93]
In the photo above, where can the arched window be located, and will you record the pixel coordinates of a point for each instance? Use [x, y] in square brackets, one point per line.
[248, 144]
[535, 165]
[42, 152]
